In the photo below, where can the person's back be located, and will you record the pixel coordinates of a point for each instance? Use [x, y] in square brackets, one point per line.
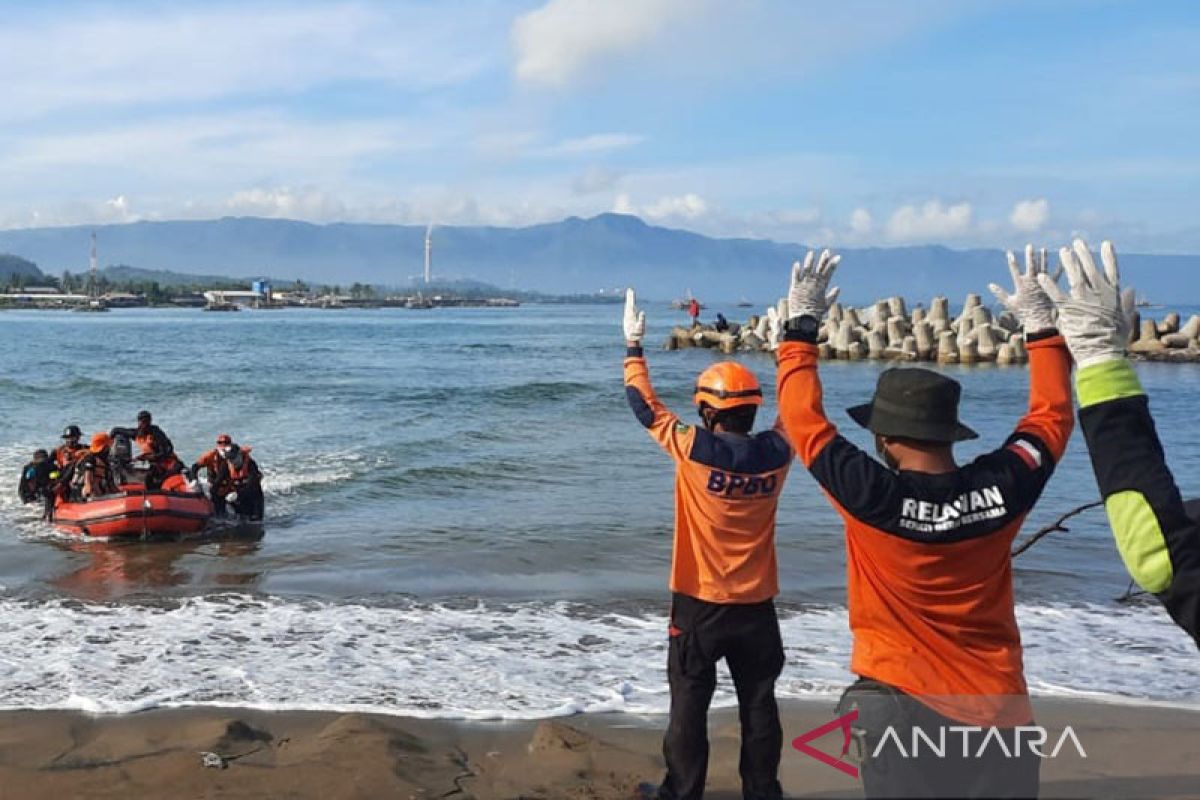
[723, 568]
[929, 573]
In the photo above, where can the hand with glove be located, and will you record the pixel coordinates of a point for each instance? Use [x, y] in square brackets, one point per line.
[634, 322]
[1029, 304]
[1096, 318]
[809, 293]
[774, 328]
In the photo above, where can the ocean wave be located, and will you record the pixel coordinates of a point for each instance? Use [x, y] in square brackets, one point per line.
[476, 660]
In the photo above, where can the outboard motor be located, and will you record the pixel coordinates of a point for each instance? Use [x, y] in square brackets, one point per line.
[120, 459]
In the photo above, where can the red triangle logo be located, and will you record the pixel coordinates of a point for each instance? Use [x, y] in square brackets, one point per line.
[843, 723]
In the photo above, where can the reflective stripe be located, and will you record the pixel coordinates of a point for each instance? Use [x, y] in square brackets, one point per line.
[1108, 380]
[1140, 540]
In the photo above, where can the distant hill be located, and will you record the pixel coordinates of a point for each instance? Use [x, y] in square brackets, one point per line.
[16, 267]
[574, 255]
[121, 273]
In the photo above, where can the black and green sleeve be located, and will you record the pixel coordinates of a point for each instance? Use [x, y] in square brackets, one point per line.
[1158, 541]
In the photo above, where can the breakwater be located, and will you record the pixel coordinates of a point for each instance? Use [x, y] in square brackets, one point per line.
[889, 330]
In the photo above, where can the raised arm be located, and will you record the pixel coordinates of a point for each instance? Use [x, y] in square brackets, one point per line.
[1158, 542]
[1048, 423]
[662, 425]
[854, 480]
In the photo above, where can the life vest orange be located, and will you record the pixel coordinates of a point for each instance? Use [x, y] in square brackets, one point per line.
[66, 454]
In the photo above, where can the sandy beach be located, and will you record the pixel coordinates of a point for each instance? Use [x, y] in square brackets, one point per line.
[1132, 751]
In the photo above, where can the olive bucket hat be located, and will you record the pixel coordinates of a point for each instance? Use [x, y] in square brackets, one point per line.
[914, 403]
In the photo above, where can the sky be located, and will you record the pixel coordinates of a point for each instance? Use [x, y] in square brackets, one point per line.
[847, 123]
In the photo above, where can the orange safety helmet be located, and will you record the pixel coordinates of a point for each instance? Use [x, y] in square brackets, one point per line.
[728, 385]
[101, 442]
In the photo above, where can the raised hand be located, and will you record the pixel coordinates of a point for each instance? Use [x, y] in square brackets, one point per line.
[634, 323]
[1096, 318]
[1029, 302]
[809, 291]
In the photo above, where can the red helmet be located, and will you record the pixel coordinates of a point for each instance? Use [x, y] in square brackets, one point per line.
[728, 385]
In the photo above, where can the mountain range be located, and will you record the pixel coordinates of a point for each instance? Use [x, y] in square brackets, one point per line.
[573, 255]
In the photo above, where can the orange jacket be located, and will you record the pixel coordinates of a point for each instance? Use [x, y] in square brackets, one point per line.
[209, 461]
[65, 454]
[929, 575]
[726, 491]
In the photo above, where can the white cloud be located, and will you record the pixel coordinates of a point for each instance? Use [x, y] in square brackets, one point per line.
[1029, 216]
[931, 221]
[128, 55]
[284, 202]
[594, 144]
[563, 38]
[688, 207]
[861, 222]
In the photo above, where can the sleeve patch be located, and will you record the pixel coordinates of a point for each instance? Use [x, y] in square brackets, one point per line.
[1028, 453]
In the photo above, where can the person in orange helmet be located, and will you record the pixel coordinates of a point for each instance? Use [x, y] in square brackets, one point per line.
[93, 474]
[723, 573]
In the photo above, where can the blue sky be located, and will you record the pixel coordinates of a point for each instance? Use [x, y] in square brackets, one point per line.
[844, 123]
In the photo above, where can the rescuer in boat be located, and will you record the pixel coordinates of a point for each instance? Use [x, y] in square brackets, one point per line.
[211, 462]
[928, 543]
[93, 475]
[156, 450]
[37, 482]
[70, 450]
[239, 482]
[723, 572]
[1157, 534]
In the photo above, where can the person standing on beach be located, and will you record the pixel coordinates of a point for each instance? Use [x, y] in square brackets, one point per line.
[1157, 534]
[929, 571]
[723, 569]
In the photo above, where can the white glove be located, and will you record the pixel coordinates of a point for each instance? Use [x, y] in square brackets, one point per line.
[635, 321]
[809, 292]
[1030, 304]
[774, 328]
[231, 497]
[1097, 318]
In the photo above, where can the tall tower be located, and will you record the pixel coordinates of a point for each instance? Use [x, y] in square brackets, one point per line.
[429, 254]
[94, 285]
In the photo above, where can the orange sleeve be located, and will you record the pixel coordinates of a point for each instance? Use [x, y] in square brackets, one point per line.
[800, 401]
[663, 426]
[1051, 415]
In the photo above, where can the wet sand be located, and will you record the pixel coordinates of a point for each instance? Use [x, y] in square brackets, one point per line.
[1133, 751]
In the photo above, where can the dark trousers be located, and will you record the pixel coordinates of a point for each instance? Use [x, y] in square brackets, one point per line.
[900, 769]
[249, 503]
[747, 637]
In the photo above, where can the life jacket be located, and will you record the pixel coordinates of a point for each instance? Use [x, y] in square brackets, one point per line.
[175, 483]
[240, 475]
[65, 454]
[95, 465]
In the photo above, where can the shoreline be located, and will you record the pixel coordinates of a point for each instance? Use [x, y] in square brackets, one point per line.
[1132, 750]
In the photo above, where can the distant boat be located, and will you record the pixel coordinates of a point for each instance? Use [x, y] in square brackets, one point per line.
[744, 303]
[418, 301]
[94, 305]
[1142, 302]
[221, 305]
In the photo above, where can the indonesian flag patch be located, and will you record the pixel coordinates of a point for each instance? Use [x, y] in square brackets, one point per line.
[1028, 453]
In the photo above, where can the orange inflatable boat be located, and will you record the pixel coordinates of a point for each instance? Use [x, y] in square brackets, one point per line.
[133, 511]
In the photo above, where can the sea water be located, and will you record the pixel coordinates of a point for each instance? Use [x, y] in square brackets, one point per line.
[465, 520]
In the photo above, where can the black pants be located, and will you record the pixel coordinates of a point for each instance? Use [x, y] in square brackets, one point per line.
[908, 767]
[249, 503]
[747, 637]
